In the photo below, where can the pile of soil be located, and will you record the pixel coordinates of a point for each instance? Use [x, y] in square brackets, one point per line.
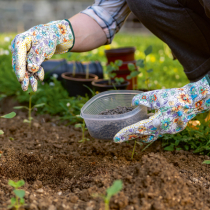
[61, 173]
[117, 110]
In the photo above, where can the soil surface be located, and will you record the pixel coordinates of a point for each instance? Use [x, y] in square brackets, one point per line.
[117, 110]
[61, 173]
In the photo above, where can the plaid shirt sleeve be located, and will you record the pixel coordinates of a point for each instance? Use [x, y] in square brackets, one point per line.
[109, 14]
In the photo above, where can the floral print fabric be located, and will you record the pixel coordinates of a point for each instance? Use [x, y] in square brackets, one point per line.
[31, 48]
[174, 108]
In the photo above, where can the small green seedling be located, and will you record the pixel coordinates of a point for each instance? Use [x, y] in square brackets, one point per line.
[83, 128]
[29, 108]
[18, 200]
[141, 144]
[206, 162]
[141, 63]
[114, 66]
[7, 116]
[111, 191]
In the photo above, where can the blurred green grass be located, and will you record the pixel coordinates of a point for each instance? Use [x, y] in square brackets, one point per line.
[167, 73]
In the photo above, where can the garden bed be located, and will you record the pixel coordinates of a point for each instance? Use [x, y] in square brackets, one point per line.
[61, 173]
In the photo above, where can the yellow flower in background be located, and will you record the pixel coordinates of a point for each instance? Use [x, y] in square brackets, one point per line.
[152, 58]
[108, 47]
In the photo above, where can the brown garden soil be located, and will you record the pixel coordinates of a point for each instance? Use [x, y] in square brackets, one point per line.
[61, 173]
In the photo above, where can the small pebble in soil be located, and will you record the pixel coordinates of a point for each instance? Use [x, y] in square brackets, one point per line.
[117, 110]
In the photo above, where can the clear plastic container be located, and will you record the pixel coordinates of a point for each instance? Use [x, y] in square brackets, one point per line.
[106, 126]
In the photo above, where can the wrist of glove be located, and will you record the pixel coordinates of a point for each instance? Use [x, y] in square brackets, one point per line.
[174, 109]
[40, 43]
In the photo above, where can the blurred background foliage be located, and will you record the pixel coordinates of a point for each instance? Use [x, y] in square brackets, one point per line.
[168, 73]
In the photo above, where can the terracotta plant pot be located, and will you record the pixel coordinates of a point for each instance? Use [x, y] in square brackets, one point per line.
[127, 55]
[102, 85]
[75, 85]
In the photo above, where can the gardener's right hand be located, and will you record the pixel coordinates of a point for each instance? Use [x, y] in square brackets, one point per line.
[39, 43]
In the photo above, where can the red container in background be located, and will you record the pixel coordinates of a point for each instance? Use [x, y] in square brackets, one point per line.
[127, 55]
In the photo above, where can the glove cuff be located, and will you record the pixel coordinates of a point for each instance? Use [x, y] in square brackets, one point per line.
[72, 34]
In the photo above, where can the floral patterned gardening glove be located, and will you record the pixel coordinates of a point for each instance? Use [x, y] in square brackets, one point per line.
[31, 48]
[174, 108]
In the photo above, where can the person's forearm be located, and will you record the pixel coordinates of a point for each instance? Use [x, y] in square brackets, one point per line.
[88, 34]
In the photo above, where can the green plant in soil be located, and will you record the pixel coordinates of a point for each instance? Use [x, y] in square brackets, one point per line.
[193, 138]
[141, 144]
[18, 200]
[111, 191]
[114, 66]
[83, 129]
[7, 116]
[72, 108]
[141, 63]
[29, 108]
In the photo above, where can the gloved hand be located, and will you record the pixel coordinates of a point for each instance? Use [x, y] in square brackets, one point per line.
[31, 48]
[174, 108]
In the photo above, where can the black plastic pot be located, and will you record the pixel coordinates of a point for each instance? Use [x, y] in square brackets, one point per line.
[101, 85]
[61, 66]
[76, 86]
[54, 67]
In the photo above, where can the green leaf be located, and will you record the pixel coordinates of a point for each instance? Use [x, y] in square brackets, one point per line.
[206, 162]
[150, 70]
[26, 121]
[115, 188]
[13, 201]
[177, 142]
[131, 67]
[118, 62]
[140, 63]
[20, 107]
[109, 69]
[39, 105]
[78, 125]
[186, 147]
[1, 132]
[169, 148]
[112, 75]
[20, 183]
[19, 193]
[119, 80]
[129, 77]
[12, 183]
[22, 201]
[134, 73]
[8, 116]
[148, 50]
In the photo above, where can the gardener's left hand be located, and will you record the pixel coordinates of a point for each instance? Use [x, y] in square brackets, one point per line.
[174, 108]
